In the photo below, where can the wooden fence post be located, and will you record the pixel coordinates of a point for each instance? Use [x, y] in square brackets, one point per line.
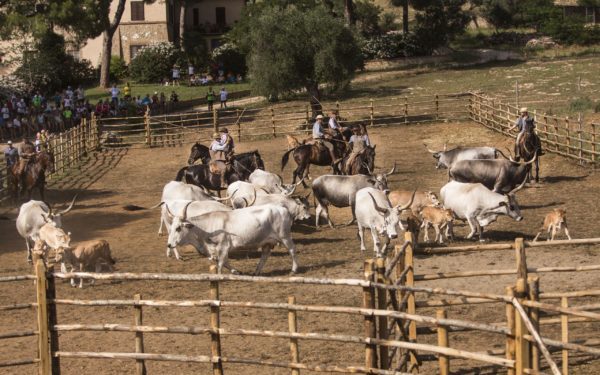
[437, 107]
[307, 117]
[370, 328]
[593, 142]
[372, 112]
[45, 364]
[140, 365]
[215, 119]
[406, 109]
[568, 135]
[444, 360]
[215, 325]
[382, 323]
[564, 328]
[521, 345]
[239, 124]
[293, 327]
[579, 138]
[534, 314]
[411, 307]
[521, 259]
[510, 324]
[273, 122]
[147, 126]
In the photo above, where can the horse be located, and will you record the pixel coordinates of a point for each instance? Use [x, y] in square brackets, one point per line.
[307, 154]
[34, 174]
[364, 163]
[245, 163]
[199, 151]
[202, 176]
[527, 148]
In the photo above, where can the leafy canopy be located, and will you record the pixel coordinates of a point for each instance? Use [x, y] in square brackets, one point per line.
[294, 47]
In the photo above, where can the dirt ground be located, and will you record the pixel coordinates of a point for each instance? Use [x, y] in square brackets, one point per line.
[116, 177]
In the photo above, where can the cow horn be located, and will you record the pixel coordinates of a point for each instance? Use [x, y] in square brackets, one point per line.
[45, 217]
[532, 159]
[412, 198]
[380, 209]
[49, 208]
[168, 211]
[70, 206]
[185, 210]
[513, 191]
[430, 151]
[504, 156]
[227, 197]
[391, 171]
[253, 200]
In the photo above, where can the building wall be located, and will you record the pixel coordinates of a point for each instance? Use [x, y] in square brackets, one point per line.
[207, 11]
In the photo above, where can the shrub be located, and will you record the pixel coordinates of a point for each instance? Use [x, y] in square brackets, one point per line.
[391, 45]
[230, 58]
[154, 62]
[118, 68]
[581, 104]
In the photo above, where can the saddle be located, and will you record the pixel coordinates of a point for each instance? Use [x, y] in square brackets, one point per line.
[213, 167]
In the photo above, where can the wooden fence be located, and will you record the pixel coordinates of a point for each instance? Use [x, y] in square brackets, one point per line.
[571, 137]
[388, 314]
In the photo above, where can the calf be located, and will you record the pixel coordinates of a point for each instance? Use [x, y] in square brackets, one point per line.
[412, 223]
[422, 199]
[85, 256]
[292, 142]
[553, 222]
[439, 218]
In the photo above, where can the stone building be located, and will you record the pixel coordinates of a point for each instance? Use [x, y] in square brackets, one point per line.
[577, 9]
[143, 24]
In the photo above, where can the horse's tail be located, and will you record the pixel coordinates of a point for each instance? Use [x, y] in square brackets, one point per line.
[180, 174]
[286, 157]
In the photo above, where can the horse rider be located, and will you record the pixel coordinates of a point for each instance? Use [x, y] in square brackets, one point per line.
[227, 140]
[11, 155]
[357, 143]
[219, 151]
[26, 154]
[526, 124]
[333, 123]
[319, 137]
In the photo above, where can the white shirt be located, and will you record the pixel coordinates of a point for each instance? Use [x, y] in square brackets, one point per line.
[175, 73]
[114, 92]
[223, 95]
[191, 70]
[333, 123]
[218, 146]
[5, 112]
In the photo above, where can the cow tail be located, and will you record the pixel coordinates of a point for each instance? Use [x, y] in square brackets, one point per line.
[286, 157]
[180, 174]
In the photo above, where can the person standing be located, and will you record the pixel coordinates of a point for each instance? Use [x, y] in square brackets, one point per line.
[176, 74]
[127, 92]
[223, 95]
[210, 98]
[114, 94]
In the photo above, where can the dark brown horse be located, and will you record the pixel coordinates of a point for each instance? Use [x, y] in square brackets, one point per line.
[316, 154]
[199, 151]
[34, 175]
[528, 148]
[364, 163]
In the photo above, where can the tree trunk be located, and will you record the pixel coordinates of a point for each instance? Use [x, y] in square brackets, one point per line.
[105, 64]
[349, 12]
[405, 17]
[181, 24]
[314, 97]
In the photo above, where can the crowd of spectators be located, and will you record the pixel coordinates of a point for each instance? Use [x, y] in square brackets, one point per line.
[122, 103]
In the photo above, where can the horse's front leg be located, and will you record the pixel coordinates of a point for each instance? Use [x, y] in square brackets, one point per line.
[537, 170]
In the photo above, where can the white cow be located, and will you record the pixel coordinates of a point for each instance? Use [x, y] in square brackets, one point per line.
[479, 205]
[220, 233]
[298, 207]
[374, 211]
[192, 208]
[271, 182]
[32, 216]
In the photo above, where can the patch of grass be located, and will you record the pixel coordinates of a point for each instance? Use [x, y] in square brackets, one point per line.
[581, 104]
[184, 92]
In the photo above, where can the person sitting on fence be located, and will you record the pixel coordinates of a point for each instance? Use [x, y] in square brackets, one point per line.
[525, 124]
[319, 136]
[357, 143]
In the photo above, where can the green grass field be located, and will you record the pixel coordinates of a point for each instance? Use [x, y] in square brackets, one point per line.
[185, 92]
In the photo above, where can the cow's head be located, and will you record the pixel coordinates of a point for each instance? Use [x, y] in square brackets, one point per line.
[440, 156]
[288, 190]
[509, 205]
[559, 216]
[56, 217]
[380, 181]
[57, 237]
[302, 210]
[179, 233]
[391, 217]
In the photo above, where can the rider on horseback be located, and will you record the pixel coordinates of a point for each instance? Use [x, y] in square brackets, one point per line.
[526, 124]
[320, 138]
[358, 142]
[221, 150]
[26, 155]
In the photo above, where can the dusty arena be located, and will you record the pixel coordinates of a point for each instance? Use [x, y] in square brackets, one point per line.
[116, 177]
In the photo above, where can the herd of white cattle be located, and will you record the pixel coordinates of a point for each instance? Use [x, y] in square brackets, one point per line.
[262, 210]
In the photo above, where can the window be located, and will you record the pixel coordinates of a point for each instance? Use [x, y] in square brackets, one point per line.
[221, 16]
[133, 51]
[137, 10]
[196, 17]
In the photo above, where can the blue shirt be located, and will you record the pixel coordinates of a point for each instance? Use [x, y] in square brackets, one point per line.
[11, 155]
[522, 124]
[317, 130]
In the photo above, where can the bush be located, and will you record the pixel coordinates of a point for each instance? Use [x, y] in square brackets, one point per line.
[581, 104]
[391, 45]
[154, 62]
[230, 58]
[118, 68]
[196, 50]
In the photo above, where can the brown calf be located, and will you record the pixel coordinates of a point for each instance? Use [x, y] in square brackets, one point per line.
[439, 218]
[292, 142]
[87, 255]
[422, 199]
[553, 222]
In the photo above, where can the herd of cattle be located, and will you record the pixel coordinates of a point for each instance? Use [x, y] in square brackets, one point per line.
[261, 211]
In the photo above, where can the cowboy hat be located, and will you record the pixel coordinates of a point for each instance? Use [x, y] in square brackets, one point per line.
[9, 142]
[319, 117]
[216, 135]
[523, 110]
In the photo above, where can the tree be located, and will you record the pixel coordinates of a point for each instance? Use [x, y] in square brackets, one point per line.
[439, 21]
[107, 38]
[349, 12]
[287, 52]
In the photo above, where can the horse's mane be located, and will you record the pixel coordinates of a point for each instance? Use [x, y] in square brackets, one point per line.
[248, 153]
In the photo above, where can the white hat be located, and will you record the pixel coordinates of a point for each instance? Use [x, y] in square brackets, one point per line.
[319, 117]
[523, 109]
[9, 142]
